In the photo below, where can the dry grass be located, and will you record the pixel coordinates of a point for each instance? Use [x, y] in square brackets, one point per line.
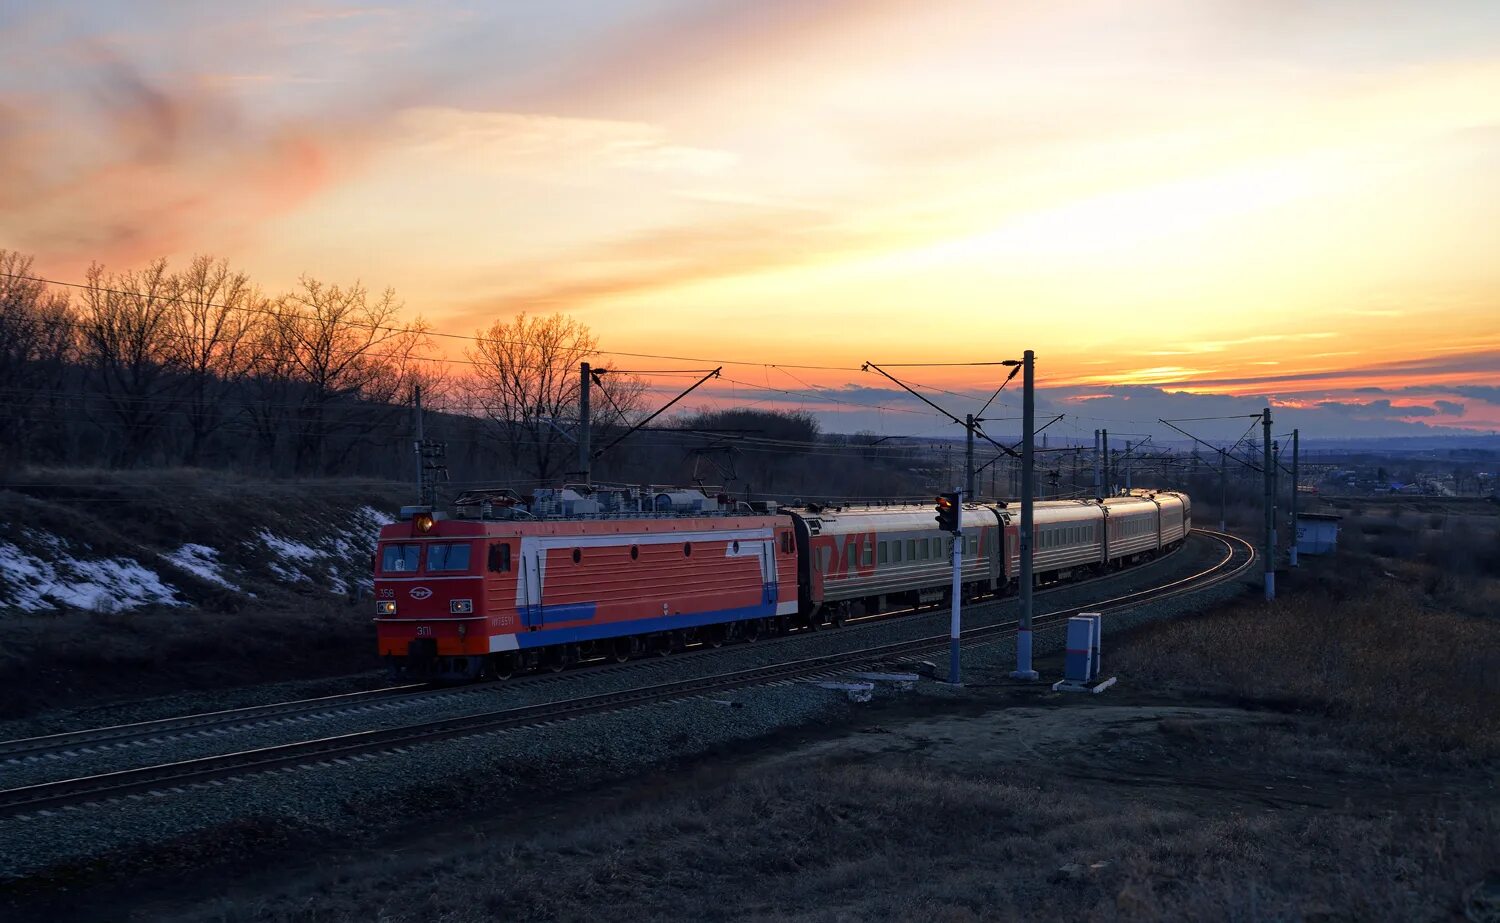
[846, 842]
[1405, 648]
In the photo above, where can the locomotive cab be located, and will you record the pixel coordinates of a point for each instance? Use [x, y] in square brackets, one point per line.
[437, 589]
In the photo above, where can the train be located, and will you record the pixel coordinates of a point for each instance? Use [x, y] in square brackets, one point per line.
[506, 584]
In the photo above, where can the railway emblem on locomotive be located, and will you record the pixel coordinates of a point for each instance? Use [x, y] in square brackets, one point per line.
[420, 592]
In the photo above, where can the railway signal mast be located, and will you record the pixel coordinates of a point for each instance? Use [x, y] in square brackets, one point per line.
[949, 512]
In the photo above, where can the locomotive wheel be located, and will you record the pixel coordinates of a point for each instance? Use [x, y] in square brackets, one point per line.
[713, 636]
[621, 650]
[503, 666]
[750, 631]
[555, 660]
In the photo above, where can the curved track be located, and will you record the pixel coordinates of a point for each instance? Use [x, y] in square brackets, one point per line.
[166, 778]
[139, 735]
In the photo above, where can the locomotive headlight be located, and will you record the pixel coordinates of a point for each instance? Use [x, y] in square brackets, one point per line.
[461, 606]
[423, 522]
[385, 607]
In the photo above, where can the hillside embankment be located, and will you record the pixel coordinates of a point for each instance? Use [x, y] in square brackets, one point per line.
[118, 584]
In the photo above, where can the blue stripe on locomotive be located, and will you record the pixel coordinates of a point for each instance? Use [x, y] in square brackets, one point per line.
[571, 633]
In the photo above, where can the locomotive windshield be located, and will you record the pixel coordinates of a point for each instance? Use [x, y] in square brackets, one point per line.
[448, 557]
[396, 558]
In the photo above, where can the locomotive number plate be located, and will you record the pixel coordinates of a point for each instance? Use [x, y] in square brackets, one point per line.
[424, 631]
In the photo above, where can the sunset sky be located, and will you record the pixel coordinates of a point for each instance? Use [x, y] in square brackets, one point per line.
[1186, 207]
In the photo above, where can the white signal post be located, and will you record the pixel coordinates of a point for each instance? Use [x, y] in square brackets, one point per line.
[955, 626]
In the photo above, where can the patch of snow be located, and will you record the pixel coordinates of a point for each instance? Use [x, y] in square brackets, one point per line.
[301, 563]
[202, 561]
[375, 517]
[104, 585]
[340, 560]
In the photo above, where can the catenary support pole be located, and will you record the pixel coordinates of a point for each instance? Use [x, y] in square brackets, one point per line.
[1108, 486]
[417, 445]
[969, 456]
[1292, 544]
[585, 452]
[1028, 497]
[955, 622]
[1223, 490]
[1129, 464]
[1269, 500]
[1098, 471]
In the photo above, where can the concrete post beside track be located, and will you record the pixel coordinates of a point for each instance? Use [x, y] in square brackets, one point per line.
[1292, 545]
[1269, 501]
[1028, 499]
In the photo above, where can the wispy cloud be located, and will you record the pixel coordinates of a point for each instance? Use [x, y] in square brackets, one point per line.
[165, 168]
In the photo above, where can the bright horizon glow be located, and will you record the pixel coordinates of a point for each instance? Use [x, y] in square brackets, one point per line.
[1292, 203]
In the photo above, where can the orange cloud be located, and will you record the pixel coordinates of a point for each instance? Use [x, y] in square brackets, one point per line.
[159, 170]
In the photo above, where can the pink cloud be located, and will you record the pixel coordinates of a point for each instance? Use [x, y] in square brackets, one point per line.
[135, 170]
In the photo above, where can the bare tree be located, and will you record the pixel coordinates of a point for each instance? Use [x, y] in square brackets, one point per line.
[213, 314]
[36, 345]
[127, 345]
[526, 385]
[343, 348]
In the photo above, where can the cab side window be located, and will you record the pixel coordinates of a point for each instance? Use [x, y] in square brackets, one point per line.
[500, 557]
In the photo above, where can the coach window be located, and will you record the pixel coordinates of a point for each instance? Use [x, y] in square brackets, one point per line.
[885, 552]
[399, 558]
[911, 549]
[896, 551]
[867, 556]
[500, 557]
[786, 543]
[448, 557]
[577, 555]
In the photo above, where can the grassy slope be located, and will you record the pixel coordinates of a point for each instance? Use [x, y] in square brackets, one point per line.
[222, 637]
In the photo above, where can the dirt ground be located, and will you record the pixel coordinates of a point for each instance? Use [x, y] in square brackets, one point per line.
[1008, 802]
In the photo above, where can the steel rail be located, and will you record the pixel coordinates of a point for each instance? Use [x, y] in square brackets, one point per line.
[173, 777]
[21, 747]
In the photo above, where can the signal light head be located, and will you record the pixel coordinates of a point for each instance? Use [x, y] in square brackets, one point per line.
[423, 522]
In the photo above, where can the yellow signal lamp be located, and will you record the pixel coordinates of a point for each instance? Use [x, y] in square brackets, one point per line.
[423, 522]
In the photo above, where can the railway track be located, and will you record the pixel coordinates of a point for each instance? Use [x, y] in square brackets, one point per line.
[391, 700]
[174, 777]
